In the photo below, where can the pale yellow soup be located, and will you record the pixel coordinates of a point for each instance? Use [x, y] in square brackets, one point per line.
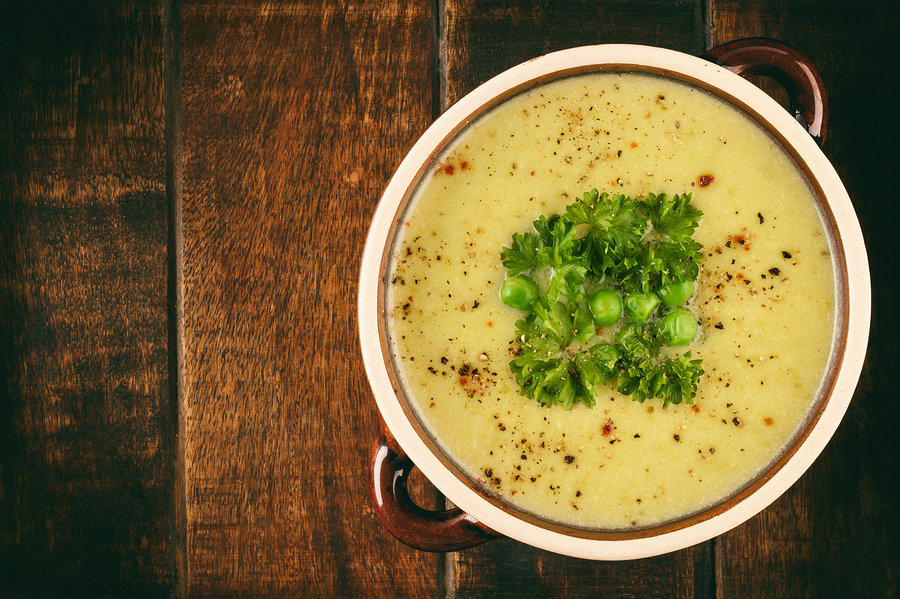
[765, 300]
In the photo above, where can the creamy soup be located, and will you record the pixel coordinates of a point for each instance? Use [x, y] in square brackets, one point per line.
[764, 297]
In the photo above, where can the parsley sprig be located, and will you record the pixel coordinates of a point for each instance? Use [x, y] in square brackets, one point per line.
[634, 246]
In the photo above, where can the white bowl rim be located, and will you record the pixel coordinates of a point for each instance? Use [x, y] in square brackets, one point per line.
[848, 231]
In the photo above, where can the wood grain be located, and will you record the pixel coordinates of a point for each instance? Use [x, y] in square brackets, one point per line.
[507, 569]
[484, 38]
[85, 454]
[835, 533]
[240, 471]
[294, 118]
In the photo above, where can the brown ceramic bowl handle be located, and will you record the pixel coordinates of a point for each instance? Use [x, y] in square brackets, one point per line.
[771, 58]
[446, 530]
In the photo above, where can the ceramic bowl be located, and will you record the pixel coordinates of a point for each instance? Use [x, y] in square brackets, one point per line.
[480, 516]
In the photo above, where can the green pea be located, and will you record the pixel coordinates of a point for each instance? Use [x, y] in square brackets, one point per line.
[519, 292]
[640, 306]
[606, 307]
[675, 294]
[679, 327]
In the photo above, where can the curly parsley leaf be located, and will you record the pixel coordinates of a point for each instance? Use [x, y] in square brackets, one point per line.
[643, 375]
[680, 260]
[639, 340]
[674, 217]
[525, 254]
[556, 246]
[541, 380]
[547, 381]
[682, 376]
[660, 261]
[613, 216]
[582, 324]
[595, 366]
[638, 372]
[615, 228]
[667, 253]
[534, 336]
[554, 320]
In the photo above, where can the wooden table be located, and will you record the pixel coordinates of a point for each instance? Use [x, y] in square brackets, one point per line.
[185, 190]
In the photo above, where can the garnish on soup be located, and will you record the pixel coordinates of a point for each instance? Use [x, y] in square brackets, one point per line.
[602, 248]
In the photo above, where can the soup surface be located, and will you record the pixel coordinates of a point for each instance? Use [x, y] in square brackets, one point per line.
[764, 298]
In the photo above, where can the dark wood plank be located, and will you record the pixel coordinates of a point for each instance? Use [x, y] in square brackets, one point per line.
[85, 453]
[295, 116]
[483, 39]
[835, 533]
[508, 569]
